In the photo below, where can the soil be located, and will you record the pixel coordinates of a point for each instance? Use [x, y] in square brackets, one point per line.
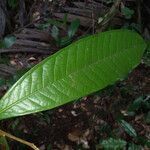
[85, 122]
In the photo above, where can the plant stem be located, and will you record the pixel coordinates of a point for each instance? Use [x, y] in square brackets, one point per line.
[3, 133]
[108, 16]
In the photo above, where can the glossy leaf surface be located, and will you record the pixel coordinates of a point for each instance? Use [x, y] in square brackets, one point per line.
[81, 68]
[128, 128]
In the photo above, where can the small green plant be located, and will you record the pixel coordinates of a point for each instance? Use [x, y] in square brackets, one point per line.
[56, 29]
[63, 41]
[133, 146]
[131, 131]
[54, 22]
[142, 102]
[128, 128]
[127, 12]
[133, 26]
[112, 144]
[117, 144]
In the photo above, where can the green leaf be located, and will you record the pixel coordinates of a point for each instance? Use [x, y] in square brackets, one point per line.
[140, 102]
[8, 41]
[128, 128]
[73, 28]
[132, 26]
[113, 144]
[127, 12]
[12, 3]
[64, 41]
[55, 33]
[147, 143]
[133, 146]
[143, 141]
[146, 103]
[50, 22]
[136, 104]
[81, 68]
[3, 143]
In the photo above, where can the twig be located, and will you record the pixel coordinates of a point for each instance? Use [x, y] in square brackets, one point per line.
[139, 19]
[28, 50]
[102, 23]
[3, 133]
[27, 25]
[34, 44]
[22, 12]
[93, 21]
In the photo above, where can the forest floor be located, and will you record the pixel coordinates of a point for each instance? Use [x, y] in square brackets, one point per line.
[86, 122]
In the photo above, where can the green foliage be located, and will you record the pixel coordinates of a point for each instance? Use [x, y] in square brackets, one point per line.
[147, 143]
[56, 28]
[128, 128]
[127, 12]
[50, 22]
[12, 3]
[113, 144]
[142, 102]
[73, 28]
[54, 22]
[105, 128]
[143, 141]
[55, 32]
[60, 41]
[84, 67]
[136, 104]
[7, 42]
[133, 26]
[133, 146]
[49, 147]
[63, 41]
[3, 143]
